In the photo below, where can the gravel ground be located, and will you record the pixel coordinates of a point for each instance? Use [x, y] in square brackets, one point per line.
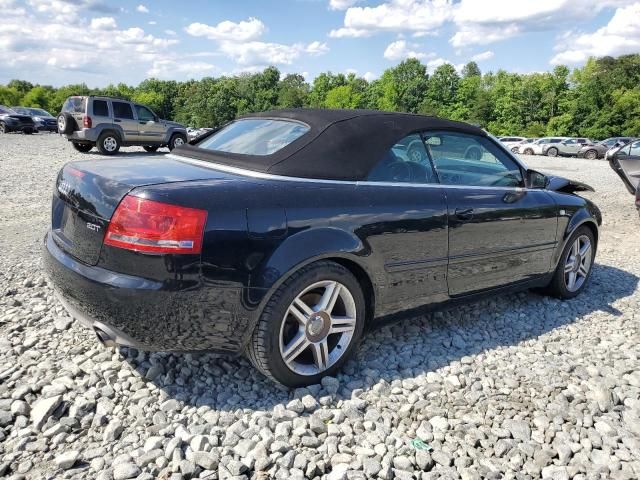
[520, 386]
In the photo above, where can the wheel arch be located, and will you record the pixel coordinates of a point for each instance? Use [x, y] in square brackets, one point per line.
[581, 218]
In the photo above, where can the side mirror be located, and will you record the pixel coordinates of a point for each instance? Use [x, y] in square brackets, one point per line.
[536, 179]
[434, 141]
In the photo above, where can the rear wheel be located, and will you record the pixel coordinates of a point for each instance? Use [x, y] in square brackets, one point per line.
[3, 128]
[591, 155]
[528, 151]
[310, 326]
[552, 152]
[108, 143]
[150, 148]
[514, 150]
[66, 123]
[575, 265]
[82, 147]
[176, 140]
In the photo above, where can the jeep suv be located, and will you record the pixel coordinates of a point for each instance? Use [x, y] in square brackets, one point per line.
[110, 123]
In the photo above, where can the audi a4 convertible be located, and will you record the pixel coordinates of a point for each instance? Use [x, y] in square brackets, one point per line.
[285, 235]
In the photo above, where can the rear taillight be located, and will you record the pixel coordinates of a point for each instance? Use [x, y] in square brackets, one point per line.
[147, 226]
[86, 121]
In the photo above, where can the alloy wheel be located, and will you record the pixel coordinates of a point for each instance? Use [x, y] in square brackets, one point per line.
[3, 129]
[317, 328]
[591, 155]
[178, 141]
[110, 144]
[578, 263]
[62, 123]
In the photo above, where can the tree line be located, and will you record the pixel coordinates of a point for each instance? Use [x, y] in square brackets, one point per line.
[598, 100]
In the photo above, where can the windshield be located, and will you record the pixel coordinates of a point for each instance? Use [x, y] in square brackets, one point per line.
[39, 112]
[254, 136]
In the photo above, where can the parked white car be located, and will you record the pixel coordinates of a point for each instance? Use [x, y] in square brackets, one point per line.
[518, 147]
[537, 147]
[510, 142]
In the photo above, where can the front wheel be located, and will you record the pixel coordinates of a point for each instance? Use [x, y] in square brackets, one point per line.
[3, 128]
[575, 265]
[528, 151]
[310, 326]
[552, 152]
[177, 140]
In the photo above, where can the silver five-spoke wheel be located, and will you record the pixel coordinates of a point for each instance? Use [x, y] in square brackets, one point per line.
[317, 327]
[110, 144]
[578, 263]
[178, 142]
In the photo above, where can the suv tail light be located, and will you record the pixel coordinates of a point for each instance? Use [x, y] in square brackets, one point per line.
[144, 225]
[86, 121]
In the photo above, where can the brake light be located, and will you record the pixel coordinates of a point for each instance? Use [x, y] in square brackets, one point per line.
[147, 226]
[86, 121]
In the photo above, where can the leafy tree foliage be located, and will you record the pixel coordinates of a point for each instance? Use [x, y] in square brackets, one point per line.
[600, 99]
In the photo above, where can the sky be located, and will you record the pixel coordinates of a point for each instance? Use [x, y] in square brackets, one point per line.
[56, 42]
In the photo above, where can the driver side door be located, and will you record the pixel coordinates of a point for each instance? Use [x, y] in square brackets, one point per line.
[150, 128]
[499, 232]
[626, 163]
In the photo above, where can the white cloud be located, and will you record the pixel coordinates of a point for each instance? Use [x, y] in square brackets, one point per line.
[481, 57]
[260, 54]
[620, 36]
[103, 23]
[341, 4]
[370, 76]
[142, 9]
[489, 21]
[316, 48]
[173, 33]
[399, 50]
[169, 68]
[242, 31]
[418, 16]
[152, 22]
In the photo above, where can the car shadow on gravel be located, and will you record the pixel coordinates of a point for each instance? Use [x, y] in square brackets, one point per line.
[402, 350]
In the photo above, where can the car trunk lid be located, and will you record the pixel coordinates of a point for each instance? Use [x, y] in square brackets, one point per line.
[88, 192]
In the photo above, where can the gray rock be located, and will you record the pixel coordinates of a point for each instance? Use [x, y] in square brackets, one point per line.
[123, 471]
[42, 410]
[67, 460]
[206, 460]
[113, 431]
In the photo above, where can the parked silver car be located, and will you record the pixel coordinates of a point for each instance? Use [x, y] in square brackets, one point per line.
[510, 142]
[567, 148]
[109, 123]
[537, 147]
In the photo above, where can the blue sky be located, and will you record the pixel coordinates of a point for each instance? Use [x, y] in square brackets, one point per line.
[100, 42]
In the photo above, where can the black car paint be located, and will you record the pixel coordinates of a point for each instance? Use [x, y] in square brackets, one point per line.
[261, 228]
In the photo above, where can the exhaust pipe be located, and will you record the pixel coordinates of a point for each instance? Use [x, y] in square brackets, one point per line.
[104, 338]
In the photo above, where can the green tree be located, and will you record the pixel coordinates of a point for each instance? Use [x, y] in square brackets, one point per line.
[9, 96]
[292, 91]
[342, 97]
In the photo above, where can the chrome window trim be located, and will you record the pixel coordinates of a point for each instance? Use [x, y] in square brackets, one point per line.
[269, 176]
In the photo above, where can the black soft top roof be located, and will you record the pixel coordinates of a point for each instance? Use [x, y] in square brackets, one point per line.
[340, 144]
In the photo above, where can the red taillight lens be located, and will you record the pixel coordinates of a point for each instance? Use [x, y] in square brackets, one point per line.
[86, 121]
[146, 226]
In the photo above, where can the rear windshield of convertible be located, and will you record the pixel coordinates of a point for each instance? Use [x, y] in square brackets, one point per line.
[254, 136]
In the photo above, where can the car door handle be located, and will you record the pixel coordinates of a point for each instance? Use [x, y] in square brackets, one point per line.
[117, 120]
[464, 214]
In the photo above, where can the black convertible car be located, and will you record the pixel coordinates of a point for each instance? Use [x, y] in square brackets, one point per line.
[285, 234]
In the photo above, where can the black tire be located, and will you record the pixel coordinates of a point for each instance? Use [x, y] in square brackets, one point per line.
[82, 147]
[150, 148]
[3, 128]
[514, 150]
[66, 123]
[264, 347]
[108, 143]
[528, 151]
[27, 131]
[180, 138]
[552, 152]
[558, 285]
[591, 155]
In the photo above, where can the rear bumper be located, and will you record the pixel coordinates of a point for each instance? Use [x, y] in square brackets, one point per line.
[83, 135]
[146, 314]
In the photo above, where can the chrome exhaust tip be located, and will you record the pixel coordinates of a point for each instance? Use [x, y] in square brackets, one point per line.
[104, 338]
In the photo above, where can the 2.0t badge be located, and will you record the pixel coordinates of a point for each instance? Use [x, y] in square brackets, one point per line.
[93, 226]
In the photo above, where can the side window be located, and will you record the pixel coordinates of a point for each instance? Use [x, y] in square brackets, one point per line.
[144, 114]
[462, 159]
[122, 110]
[635, 149]
[100, 108]
[407, 161]
[74, 105]
[570, 141]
